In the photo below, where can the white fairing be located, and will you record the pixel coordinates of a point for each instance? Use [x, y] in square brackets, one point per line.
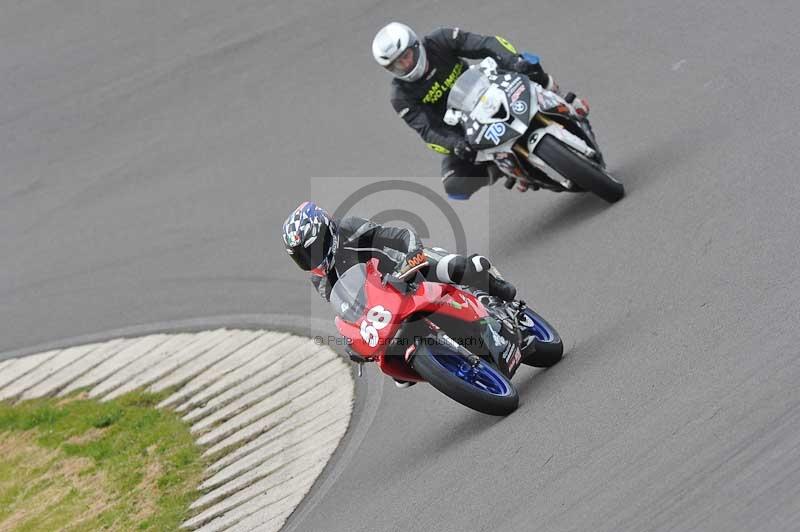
[486, 99]
[492, 107]
[564, 136]
[488, 65]
[452, 117]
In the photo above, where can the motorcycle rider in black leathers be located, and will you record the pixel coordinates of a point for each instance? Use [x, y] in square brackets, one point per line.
[425, 69]
[328, 248]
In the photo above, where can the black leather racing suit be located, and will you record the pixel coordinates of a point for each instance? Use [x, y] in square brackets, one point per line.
[360, 240]
[422, 103]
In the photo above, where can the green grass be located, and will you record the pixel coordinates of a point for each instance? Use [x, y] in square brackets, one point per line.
[76, 464]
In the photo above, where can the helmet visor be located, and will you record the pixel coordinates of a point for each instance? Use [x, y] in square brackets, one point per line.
[405, 62]
[308, 258]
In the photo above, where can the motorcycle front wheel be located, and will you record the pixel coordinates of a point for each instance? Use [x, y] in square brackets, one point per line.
[547, 348]
[481, 387]
[578, 169]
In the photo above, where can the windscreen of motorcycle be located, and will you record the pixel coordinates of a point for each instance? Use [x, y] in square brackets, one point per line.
[348, 297]
[467, 91]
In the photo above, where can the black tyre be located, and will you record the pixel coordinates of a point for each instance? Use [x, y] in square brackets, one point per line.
[490, 393]
[577, 168]
[547, 348]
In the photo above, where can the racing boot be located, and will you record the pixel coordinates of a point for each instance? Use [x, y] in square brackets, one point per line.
[501, 288]
[479, 273]
[403, 384]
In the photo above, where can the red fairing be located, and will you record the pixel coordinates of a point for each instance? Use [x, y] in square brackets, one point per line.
[387, 309]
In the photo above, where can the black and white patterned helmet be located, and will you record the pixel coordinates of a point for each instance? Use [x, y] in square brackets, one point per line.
[309, 236]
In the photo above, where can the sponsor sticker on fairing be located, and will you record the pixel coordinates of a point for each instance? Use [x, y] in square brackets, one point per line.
[519, 107]
[377, 318]
[513, 85]
[517, 93]
[495, 132]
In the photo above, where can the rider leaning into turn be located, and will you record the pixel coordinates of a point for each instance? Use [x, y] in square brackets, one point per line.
[327, 248]
[425, 70]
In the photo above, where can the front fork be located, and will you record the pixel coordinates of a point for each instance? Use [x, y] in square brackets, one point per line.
[506, 358]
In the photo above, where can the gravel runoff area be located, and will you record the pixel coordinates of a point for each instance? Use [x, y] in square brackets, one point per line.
[268, 407]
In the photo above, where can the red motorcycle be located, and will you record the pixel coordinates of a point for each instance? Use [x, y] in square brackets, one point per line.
[464, 342]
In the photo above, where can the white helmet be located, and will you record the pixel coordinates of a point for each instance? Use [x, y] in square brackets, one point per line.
[397, 49]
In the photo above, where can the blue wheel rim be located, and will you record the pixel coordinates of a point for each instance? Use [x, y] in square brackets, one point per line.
[540, 329]
[483, 377]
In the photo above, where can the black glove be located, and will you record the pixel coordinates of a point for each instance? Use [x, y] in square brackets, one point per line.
[414, 260]
[464, 151]
[532, 70]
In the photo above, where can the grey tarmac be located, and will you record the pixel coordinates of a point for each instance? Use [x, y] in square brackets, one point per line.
[149, 153]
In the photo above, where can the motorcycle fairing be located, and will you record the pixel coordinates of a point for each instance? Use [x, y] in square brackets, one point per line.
[485, 133]
[377, 330]
[491, 139]
[386, 309]
[489, 136]
[551, 102]
[518, 94]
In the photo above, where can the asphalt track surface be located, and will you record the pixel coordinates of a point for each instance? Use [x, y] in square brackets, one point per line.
[150, 151]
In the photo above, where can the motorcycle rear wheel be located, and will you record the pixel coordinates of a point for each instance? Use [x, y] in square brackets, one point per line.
[579, 169]
[489, 392]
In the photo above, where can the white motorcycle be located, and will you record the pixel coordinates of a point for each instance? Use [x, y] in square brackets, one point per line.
[530, 133]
